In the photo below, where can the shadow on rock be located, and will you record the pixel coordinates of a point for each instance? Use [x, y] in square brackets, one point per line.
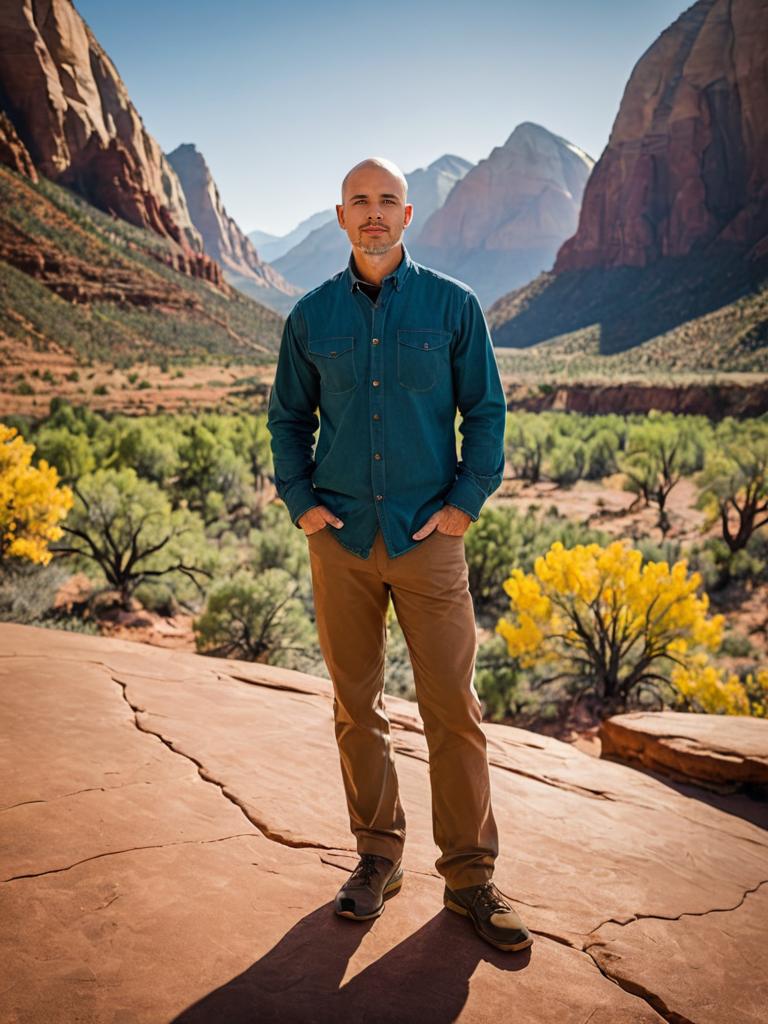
[423, 980]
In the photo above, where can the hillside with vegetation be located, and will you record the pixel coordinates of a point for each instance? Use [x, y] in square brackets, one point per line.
[691, 316]
[76, 280]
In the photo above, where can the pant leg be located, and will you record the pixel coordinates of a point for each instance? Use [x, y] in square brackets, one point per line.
[430, 593]
[351, 601]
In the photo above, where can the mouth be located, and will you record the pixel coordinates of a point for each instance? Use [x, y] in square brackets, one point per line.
[374, 231]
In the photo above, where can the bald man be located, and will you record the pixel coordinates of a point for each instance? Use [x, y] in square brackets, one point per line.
[387, 351]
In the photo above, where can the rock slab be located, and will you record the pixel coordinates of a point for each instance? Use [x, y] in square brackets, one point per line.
[723, 753]
[174, 831]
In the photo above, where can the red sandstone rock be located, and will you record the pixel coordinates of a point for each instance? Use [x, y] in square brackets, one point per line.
[13, 152]
[721, 752]
[175, 830]
[72, 111]
[687, 160]
[222, 237]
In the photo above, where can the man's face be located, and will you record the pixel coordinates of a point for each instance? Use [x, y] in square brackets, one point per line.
[374, 213]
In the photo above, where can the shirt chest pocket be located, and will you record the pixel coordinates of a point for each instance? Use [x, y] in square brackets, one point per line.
[423, 358]
[335, 362]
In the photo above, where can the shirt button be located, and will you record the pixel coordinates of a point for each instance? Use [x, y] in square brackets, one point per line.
[374, 341]
[375, 383]
[426, 345]
[377, 455]
[376, 416]
[379, 497]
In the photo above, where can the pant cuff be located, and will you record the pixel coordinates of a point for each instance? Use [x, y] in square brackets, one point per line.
[381, 849]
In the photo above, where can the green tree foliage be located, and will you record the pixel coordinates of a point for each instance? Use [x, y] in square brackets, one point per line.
[733, 484]
[71, 453]
[126, 526]
[255, 618]
[528, 438]
[563, 447]
[659, 453]
[139, 444]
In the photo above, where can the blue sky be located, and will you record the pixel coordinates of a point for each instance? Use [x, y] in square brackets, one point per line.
[282, 99]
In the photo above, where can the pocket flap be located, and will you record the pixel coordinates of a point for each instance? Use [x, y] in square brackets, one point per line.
[423, 338]
[331, 347]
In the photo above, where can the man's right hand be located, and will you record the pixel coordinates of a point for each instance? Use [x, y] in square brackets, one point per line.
[317, 518]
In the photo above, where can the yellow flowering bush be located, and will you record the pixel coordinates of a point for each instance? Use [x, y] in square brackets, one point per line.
[606, 622]
[31, 502]
[704, 687]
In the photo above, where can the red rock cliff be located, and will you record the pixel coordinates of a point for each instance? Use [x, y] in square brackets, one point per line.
[73, 114]
[687, 159]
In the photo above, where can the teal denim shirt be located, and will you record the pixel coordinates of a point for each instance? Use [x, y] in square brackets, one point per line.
[387, 379]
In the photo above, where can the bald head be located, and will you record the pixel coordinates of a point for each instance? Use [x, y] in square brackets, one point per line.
[376, 162]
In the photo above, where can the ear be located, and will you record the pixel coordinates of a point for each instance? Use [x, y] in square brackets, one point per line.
[408, 214]
[340, 215]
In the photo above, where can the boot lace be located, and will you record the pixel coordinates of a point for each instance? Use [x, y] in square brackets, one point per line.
[365, 870]
[489, 899]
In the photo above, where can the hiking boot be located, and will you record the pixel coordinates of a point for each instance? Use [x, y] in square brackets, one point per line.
[492, 916]
[374, 880]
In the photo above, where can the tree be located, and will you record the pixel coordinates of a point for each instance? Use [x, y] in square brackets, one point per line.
[127, 527]
[606, 624]
[658, 453]
[255, 618]
[733, 485]
[528, 438]
[31, 502]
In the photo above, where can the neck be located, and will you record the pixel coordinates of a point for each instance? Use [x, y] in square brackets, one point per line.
[374, 269]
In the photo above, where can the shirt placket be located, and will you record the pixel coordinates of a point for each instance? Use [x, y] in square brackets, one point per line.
[376, 387]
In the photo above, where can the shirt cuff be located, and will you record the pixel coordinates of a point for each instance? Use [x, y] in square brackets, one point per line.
[299, 498]
[467, 496]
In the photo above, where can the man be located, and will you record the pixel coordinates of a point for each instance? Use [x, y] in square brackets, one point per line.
[386, 350]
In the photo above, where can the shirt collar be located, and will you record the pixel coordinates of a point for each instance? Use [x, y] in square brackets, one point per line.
[398, 275]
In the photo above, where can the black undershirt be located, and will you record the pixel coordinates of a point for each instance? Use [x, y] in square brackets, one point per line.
[371, 290]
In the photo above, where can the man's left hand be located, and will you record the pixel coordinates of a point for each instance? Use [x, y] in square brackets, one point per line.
[448, 519]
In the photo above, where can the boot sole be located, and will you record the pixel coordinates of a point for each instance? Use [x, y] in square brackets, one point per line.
[390, 889]
[511, 946]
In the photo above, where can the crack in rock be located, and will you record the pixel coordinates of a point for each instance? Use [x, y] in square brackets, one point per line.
[675, 917]
[130, 849]
[205, 775]
[77, 792]
[635, 988]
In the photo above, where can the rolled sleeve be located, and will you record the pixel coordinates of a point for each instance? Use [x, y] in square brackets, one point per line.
[482, 404]
[292, 419]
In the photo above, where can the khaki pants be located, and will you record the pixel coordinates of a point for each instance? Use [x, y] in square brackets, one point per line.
[433, 605]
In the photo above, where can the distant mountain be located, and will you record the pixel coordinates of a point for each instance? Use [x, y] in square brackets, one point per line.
[670, 258]
[260, 238]
[72, 113]
[99, 256]
[222, 237]
[272, 247]
[505, 220]
[326, 249]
